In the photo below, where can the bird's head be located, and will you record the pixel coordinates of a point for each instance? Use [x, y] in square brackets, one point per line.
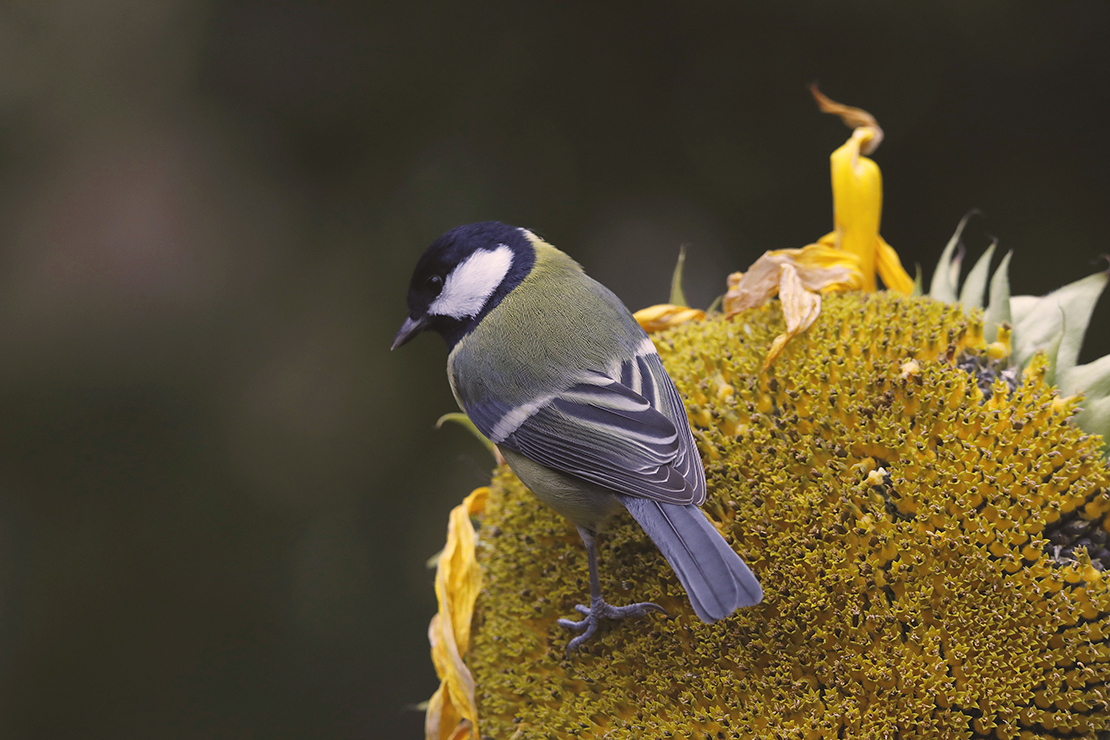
[462, 276]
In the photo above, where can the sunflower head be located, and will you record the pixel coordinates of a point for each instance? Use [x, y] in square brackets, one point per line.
[932, 552]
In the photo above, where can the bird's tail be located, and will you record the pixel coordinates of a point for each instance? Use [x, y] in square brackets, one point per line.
[717, 581]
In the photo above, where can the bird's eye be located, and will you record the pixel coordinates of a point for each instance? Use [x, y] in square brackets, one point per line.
[434, 283]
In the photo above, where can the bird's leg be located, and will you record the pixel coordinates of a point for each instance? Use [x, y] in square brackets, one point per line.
[598, 607]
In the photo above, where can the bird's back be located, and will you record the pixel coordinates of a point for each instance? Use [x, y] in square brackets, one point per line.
[543, 321]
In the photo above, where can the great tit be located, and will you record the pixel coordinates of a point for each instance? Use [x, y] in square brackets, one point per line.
[553, 368]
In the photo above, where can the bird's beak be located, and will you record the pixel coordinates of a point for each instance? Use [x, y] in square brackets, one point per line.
[409, 329]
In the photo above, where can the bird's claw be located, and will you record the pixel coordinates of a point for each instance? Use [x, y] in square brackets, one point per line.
[599, 610]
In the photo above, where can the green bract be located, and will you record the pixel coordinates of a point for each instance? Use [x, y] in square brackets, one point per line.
[1054, 324]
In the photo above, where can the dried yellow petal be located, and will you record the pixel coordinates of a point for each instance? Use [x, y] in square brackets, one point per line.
[800, 308]
[458, 580]
[665, 316]
[441, 718]
[796, 275]
[854, 118]
[818, 268]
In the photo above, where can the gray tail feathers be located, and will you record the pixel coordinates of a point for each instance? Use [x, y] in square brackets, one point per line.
[717, 581]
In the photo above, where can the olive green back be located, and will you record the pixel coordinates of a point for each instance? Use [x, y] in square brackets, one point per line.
[556, 326]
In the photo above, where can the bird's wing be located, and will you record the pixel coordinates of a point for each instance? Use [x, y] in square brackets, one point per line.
[625, 430]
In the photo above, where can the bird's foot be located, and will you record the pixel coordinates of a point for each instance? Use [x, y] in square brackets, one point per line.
[599, 610]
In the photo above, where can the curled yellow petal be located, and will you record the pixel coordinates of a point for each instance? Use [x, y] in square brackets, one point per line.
[857, 185]
[890, 269]
[800, 307]
[442, 717]
[452, 712]
[817, 267]
[857, 202]
[854, 118]
[665, 316]
[475, 503]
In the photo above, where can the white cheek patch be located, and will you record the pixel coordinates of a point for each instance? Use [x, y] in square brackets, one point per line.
[470, 285]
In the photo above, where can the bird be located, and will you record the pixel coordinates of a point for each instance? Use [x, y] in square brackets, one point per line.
[552, 367]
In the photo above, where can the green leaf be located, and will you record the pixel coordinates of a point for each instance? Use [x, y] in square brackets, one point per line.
[954, 268]
[998, 310]
[1094, 418]
[1040, 323]
[943, 285]
[1092, 380]
[1070, 307]
[1021, 306]
[464, 421]
[971, 297]
[1052, 353]
[1078, 302]
[678, 296]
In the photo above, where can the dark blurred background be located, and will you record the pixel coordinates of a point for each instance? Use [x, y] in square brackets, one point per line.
[218, 489]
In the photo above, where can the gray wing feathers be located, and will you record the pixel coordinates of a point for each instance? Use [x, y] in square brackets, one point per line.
[626, 431]
[687, 462]
[715, 578]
